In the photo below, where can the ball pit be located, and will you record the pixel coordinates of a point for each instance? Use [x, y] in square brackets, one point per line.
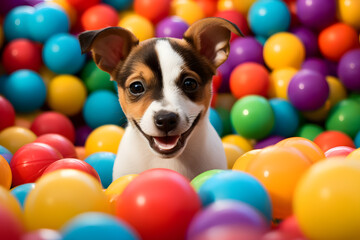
[292, 143]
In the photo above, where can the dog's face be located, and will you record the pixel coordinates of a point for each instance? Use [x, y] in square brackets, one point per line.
[164, 84]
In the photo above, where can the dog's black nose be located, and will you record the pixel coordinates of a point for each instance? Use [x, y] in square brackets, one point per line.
[166, 121]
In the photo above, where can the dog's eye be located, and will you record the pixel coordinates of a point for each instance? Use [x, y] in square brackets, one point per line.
[189, 84]
[136, 88]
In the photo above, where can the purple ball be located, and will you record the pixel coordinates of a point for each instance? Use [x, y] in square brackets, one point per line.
[225, 72]
[226, 212]
[309, 39]
[308, 90]
[82, 134]
[317, 65]
[246, 49]
[172, 26]
[272, 140]
[349, 70]
[316, 14]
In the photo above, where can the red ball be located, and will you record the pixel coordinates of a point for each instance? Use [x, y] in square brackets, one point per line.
[82, 5]
[330, 139]
[209, 7]
[237, 18]
[99, 16]
[159, 204]
[216, 81]
[7, 113]
[153, 10]
[340, 151]
[21, 54]
[30, 161]
[11, 228]
[249, 79]
[60, 143]
[53, 122]
[72, 163]
[290, 226]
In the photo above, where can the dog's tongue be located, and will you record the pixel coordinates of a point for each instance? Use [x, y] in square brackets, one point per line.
[166, 143]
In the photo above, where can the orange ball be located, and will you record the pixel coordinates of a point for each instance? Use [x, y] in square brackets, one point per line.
[335, 40]
[279, 170]
[99, 16]
[154, 10]
[249, 79]
[209, 7]
[5, 173]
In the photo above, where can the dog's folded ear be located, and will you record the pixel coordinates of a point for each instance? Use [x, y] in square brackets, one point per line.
[109, 46]
[211, 36]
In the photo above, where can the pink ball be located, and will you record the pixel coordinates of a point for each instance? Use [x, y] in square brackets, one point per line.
[339, 151]
[11, 227]
[60, 143]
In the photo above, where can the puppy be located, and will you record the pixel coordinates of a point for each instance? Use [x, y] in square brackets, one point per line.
[164, 88]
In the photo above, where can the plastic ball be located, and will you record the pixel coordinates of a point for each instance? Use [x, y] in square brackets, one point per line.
[62, 54]
[279, 80]
[154, 10]
[189, 11]
[325, 193]
[10, 202]
[171, 26]
[63, 194]
[103, 163]
[316, 64]
[15, 22]
[227, 213]
[267, 17]
[25, 90]
[287, 119]
[243, 6]
[349, 12]
[337, 90]
[330, 139]
[70, 10]
[340, 151]
[6, 175]
[82, 134]
[246, 49]
[249, 79]
[208, 7]
[225, 5]
[168, 204]
[237, 18]
[53, 122]
[13, 138]
[267, 142]
[102, 107]
[42, 234]
[94, 226]
[279, 177]
[345, 117]
[284, 50]
[11, 227]
[98, 17]
[66, 94]
[338, 34]
[7, 113]
[308, 90]
[21, 192]
[60, 143]
[30, 161]
[316, 14]
[309, 131]
[225, 71]
[215, 121]
[354, 155]
[47, 20]
[200, 179]
[356, 141]
[141, 27]
[119, 4]
[82, 5]
[117, 187]
[349, 69]
[21, 54]
[243, 161]
[291, 228]
[309, 40]
[224, 115]
[232, 153]
[5, 154]
[252, 117]
[104, 139]
[96, 79]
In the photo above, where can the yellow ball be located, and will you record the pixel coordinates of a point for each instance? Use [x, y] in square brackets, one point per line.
[349, 12]
[189, 11]
[279, 82]
[243, 6]
[239, 141]
[104, 139]
[5, 173]
[66, 94]
[283, 50]
[13, 138]
[232, 152]
[70, 11]
[320, 114]
[337, 90]
[61, 195]
[243, 161]
[354, 155]
[326, 200]
[141, 27]
[10, 202]
[224, 5]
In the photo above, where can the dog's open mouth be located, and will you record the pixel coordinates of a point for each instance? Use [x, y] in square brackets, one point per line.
[168, 145]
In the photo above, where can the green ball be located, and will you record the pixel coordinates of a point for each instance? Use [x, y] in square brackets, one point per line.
[309, 131]
[345, 117]
[252, 117]
[96, 79]
[200, 179]
[225, 119]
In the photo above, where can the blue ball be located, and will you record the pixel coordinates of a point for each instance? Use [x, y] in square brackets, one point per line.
[287, 118]
[102, 107]
[103, 163]
[119, 5]
[356, 140]
[62, 54]
[15, 22]
[96, 225]
[47, 20]
[216, 122]
[20, 192]
[267, 17]
[239, 186]
[6, 154]
[26, 90]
